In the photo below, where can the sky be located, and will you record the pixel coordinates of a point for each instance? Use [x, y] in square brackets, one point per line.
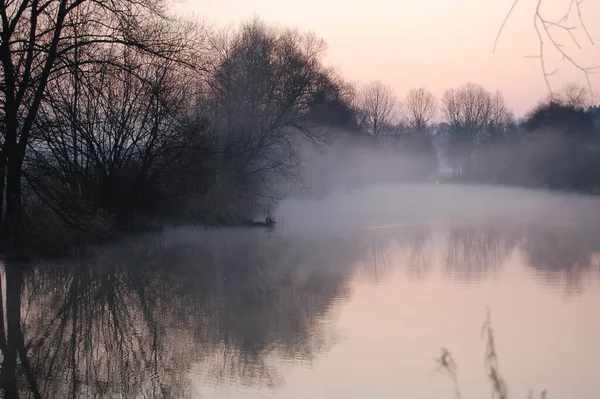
[439, 44]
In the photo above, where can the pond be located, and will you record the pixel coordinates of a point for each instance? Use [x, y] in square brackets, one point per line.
[350, 296]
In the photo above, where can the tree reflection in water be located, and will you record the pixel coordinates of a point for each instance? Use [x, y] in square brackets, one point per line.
[473, 252]
[154, 316]
[135, 317]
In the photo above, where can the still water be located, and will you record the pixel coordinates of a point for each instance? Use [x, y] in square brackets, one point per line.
[347, 297]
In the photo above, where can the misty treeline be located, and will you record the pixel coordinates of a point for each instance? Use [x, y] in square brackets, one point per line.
[470, 134]
[116, 116]
[478, 138]
[555, 145]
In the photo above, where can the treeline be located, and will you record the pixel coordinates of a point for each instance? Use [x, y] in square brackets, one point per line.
[471, 135]
[556, 144]
[116, 117]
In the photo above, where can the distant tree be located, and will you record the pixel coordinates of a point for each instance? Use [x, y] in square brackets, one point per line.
[419, 109]
[502, 120]
[416, 132]
[563, 155]
[575, 96]
[470, 110]
[594, 112]
[559, 117]
[377, 107]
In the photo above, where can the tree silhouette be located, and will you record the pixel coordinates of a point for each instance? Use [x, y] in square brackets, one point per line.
[377, 109]
[39, 43]
[419, 108]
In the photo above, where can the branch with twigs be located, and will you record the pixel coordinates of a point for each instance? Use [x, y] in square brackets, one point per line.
[545, 31]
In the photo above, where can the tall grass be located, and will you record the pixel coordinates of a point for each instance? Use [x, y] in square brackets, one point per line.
[446, 365]
[490, 361]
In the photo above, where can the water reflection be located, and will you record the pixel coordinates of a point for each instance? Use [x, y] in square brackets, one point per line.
[159, 316]
[473, 252]
[137, 316]
[564, 254]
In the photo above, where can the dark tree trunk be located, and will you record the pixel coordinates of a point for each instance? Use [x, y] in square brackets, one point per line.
[14, 204]
[14, 281]
[2, 181]
[2, 330]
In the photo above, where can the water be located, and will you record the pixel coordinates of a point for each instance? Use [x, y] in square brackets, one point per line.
[325, 306]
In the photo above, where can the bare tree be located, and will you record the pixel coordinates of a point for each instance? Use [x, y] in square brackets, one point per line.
[471, 111]
[110, 141]
[501, 118]
[575, 96]
[419, 107]
[38, 40]
[259, 97]
[467, 109]
[377, 108]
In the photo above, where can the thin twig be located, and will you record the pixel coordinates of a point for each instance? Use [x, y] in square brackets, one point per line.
[577, 7]
[543, 28]
[503, 24]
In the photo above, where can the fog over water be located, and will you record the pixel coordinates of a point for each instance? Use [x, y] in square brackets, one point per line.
[388, 205]
[349, 296]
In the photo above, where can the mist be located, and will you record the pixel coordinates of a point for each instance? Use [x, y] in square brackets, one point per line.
[376, 198]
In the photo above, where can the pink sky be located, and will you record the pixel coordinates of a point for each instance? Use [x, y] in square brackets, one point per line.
[435, 43]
